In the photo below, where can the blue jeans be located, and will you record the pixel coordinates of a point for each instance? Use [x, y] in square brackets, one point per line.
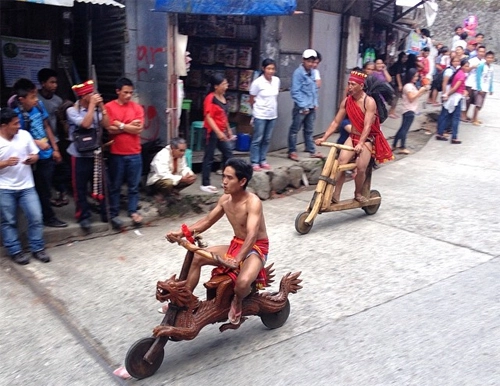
[124, 168]
[408, 118]
[444, 121]
[262, 131]
[297, 120]
[344, 134]
[208, 158]
[28, 200]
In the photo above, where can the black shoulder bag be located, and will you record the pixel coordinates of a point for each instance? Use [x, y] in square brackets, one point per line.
[86, 140]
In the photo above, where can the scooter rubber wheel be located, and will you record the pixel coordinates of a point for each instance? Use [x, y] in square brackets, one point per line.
[136, 365]
[372, 209]
[277, 319]
[300, 223]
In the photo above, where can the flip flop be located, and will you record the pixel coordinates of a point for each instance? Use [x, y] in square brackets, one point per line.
[136, 219]
[316, 155]
[293, 156]
[234, 318]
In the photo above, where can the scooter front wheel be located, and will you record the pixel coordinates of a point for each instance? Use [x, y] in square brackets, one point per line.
[300, 223]
[136, 365]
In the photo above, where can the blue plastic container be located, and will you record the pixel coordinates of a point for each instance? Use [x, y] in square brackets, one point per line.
[243, 142]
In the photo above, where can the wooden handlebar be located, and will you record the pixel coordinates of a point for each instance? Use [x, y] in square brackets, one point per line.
[224, 261]
[338, 146]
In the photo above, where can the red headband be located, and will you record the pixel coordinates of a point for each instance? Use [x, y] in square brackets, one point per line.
[357, 77]
[84, 88]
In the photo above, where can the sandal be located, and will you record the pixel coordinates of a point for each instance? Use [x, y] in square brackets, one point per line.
[440, 137]
[293, 156]
[136, 219]
[316, 155]
[233, 316]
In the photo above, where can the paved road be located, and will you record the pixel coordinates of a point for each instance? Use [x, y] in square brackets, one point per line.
[408, 296]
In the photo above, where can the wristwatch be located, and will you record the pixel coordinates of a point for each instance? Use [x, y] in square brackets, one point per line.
[122, 126]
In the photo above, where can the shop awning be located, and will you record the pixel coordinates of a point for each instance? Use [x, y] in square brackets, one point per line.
[228, 7]
[70, 3]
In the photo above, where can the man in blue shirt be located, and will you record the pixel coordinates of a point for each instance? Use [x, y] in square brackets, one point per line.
[305, 97]
[34, 118]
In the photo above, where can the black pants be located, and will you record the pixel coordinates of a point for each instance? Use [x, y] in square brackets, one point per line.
[208, 158]
[42, 173]
[82, 177]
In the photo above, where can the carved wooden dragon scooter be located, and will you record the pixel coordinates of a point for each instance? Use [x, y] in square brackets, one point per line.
[187, 315]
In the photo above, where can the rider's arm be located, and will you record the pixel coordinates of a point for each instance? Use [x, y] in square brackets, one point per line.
[254, 219]
[335, 123]
[371, 108]
[210, 219]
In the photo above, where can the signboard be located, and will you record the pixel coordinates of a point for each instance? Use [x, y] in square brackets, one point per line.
[23, 58]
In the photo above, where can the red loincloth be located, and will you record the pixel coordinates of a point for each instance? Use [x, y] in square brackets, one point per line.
[261, 247]
[381, 150]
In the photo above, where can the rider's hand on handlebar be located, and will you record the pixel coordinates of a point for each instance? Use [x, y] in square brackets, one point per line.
[173, 236]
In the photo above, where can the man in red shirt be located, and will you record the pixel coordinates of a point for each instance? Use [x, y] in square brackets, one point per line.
[126, 122]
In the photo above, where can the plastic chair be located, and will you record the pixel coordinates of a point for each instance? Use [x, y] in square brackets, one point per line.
[196, 136]
[189, 158]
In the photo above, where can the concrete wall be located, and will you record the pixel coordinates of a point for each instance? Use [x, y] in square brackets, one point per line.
[146, 64]
[453, 12]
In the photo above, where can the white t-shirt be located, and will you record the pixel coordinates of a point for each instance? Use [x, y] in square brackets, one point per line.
[20, 176]
[266, 97]
[471, 76]
[407, 105]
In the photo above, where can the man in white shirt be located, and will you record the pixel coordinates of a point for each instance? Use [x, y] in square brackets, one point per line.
[18, 152]
[169, 172]
[470, 82]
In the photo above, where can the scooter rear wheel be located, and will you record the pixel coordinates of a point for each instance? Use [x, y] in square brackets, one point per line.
[136, 365]
[277, 319]
[372, 209]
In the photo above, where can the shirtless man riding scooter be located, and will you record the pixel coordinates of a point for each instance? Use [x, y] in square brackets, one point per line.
[250, 245]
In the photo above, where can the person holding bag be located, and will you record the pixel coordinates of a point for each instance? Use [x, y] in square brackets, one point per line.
[218, 133]
[87, 115]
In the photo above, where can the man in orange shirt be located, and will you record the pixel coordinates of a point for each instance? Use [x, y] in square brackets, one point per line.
[126, 122]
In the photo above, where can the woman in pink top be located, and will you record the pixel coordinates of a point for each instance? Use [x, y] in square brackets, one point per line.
[452, 98]
[410, 105]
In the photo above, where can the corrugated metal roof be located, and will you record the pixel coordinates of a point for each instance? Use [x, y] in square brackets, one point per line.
[387, 13]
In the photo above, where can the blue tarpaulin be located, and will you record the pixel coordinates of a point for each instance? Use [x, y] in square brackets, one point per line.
[228, 7]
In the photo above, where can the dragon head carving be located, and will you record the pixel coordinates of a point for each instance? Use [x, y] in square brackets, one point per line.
[176, 291]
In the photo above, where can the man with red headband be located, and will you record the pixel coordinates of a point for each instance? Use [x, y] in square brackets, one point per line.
[366, 136]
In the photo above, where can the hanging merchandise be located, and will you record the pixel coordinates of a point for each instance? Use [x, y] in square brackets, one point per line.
[413, 43]
[369, 55]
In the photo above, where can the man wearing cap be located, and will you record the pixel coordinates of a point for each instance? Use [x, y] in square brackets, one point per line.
[366, 136]
[87, 113]
[305, 97]
[125, 124]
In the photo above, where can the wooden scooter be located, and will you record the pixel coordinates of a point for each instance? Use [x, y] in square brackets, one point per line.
[187, 315]
[321, 201]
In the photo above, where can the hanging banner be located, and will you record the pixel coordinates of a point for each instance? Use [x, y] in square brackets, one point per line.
[228, 7]
[23, 58]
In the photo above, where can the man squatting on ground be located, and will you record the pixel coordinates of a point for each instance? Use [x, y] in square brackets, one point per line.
[18, 152]
[366, 136]
[169, 172]
[250, 244]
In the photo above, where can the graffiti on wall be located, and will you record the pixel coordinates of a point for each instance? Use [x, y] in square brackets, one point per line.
[146, 60]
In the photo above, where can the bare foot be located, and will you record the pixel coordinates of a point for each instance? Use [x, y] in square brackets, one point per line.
[234, 314]
[361, 199]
